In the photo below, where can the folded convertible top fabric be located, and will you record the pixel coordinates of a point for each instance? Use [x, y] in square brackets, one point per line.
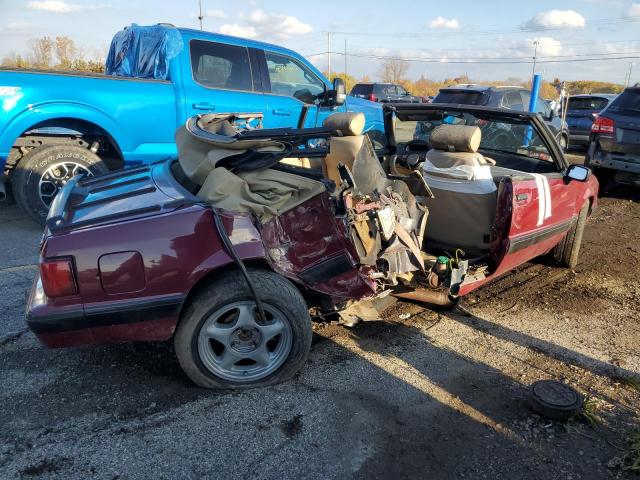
[265, 193]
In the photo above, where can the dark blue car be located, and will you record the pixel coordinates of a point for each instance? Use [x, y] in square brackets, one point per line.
[582, 110]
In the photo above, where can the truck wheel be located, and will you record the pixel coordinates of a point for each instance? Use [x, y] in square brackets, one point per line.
[221, 343]
[566, 252]
[42, 172]
[563, 141]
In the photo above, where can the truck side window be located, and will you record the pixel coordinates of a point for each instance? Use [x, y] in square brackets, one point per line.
[216, 65]
[290, 78]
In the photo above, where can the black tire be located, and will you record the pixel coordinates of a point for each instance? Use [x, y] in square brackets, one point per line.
[605, 178]
[25, 179]
[567, 251]
[273, 290]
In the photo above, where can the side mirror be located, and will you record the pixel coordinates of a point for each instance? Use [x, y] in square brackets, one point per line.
[340, 95]
[579, 173]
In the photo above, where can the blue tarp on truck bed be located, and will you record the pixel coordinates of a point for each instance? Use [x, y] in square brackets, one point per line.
[143, 52]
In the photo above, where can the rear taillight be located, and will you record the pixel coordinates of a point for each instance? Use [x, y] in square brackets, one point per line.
[57, 277]
[604, 126]
[372, 97]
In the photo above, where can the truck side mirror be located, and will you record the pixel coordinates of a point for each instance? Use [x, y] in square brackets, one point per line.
[341, 91]
[338, 95]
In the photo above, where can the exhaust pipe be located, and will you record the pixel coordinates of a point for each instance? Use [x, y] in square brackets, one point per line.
[3, 191]
[440, 298]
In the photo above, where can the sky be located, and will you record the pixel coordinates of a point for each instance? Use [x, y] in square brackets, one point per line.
[485, 39]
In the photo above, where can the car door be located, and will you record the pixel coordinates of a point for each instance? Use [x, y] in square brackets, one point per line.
[222, 80]
[536, 207]
[288, 86]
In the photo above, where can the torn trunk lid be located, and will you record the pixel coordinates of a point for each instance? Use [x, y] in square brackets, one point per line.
[123, 195]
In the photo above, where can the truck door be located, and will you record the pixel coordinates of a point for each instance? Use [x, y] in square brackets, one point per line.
[288, 85]
[219, 79]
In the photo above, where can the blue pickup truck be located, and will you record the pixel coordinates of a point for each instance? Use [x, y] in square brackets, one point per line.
[54, 125]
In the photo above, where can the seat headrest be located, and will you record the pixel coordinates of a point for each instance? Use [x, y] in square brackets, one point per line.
[456, 138]
[347, 123]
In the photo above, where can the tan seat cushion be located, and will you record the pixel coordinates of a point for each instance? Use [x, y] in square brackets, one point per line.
[341, 150]
[347, 123]
[456, 138]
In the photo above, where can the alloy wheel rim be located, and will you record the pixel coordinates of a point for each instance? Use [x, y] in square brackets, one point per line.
[56, 177]
[234, 345]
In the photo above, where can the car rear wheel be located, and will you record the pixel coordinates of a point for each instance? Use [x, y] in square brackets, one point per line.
[42, 172]
[222, 343]
[567, 251]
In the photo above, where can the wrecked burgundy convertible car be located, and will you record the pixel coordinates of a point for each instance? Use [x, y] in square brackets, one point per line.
[232, 249]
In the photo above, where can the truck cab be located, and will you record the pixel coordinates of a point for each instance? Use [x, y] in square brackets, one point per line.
[54, 125]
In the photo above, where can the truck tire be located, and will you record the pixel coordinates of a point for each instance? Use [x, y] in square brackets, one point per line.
[567, 251]
[41, 173]
[221, 344]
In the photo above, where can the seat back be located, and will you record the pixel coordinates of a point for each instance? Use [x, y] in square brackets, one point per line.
[463, 208]
[343, 149]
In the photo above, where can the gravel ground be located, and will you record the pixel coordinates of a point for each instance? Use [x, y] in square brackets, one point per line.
[435, 395]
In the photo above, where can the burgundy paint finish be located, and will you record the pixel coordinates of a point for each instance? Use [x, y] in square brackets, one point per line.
[147, 331]
[308, 235]
[177, 250]
[121, 272]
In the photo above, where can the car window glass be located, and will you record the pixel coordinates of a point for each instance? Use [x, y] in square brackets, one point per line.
[587, 103]
[462, 97]
[542, 108]
[401, 90]
[217, 65]
[627, 101]
[526, 98]
[513, 100]
[362, 89]
[292, 79]
[514, 143]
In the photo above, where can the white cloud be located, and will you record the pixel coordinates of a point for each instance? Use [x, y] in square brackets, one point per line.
[634, 10]
[17, 28]
[555, 19]
[58, 6]
[238, 30]
[547, 46]
[441, 22]
[267, 26]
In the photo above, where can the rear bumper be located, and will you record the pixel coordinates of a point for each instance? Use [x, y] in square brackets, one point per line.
[579, 138]
[629, 164]
[139, 320]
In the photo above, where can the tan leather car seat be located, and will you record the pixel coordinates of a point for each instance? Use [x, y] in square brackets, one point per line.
[343, 149]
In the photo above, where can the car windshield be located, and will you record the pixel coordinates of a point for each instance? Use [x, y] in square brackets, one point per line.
[627, 101]
[587, 103]
[511, 135]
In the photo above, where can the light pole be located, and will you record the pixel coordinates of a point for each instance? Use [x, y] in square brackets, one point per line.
[629, 74]
[200, 17]
[535, 56]
[329, 55]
